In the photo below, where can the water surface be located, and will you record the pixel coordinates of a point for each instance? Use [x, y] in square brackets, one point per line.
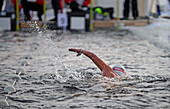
[57, 79]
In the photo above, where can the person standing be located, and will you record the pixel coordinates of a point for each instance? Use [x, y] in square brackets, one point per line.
[127, 9]
[34, 6]
[56, 4]
[77, 5]
[1, 4]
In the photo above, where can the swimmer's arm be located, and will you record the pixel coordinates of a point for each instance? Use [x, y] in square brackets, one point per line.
[99, 63]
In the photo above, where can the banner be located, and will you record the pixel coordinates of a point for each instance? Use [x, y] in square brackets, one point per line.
[62, 20]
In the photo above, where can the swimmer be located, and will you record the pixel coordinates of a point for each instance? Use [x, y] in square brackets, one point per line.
[106, 70]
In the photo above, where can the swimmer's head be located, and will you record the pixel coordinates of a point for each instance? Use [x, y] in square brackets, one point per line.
[119, 69]
[98, 10]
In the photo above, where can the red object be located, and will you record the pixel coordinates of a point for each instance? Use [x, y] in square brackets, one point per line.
[40, 2]
[119, 69]
[61, 6]
[69, 1]
[14, 2]
[86, 2]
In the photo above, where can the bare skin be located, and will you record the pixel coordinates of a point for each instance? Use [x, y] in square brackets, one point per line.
[105, 69]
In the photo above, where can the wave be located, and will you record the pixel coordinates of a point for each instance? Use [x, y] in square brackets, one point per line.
[157, 33]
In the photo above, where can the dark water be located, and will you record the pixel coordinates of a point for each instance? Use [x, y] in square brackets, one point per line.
[57, 79]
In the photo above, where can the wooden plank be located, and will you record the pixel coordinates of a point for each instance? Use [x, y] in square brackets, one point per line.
[166, 17]
[31, 24]
[98, 24]
[103, 24]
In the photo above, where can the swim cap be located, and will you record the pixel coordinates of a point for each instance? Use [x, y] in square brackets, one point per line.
[119, 69]
[98, 10]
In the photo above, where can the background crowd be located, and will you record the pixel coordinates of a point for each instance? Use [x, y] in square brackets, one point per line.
[75, 5]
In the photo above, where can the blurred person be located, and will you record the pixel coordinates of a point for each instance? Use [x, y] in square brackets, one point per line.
[32, 6]
[14, 2]
[107, 71]
[82, 6]
[57, 6]
[77, 5]
[1, 4]
[74, 6]
[104, 11]
[10, 6]
[127, 9]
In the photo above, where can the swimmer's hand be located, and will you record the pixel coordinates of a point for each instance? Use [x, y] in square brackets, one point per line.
[78, 51]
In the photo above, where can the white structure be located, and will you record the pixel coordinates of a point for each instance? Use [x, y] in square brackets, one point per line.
[167, 8]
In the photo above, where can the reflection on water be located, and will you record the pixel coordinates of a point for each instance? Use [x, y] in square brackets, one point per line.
[56, 78]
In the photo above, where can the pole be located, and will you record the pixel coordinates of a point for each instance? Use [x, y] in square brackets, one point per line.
[91, 15]
[44, 9]
[17, 15]
[118, 25]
